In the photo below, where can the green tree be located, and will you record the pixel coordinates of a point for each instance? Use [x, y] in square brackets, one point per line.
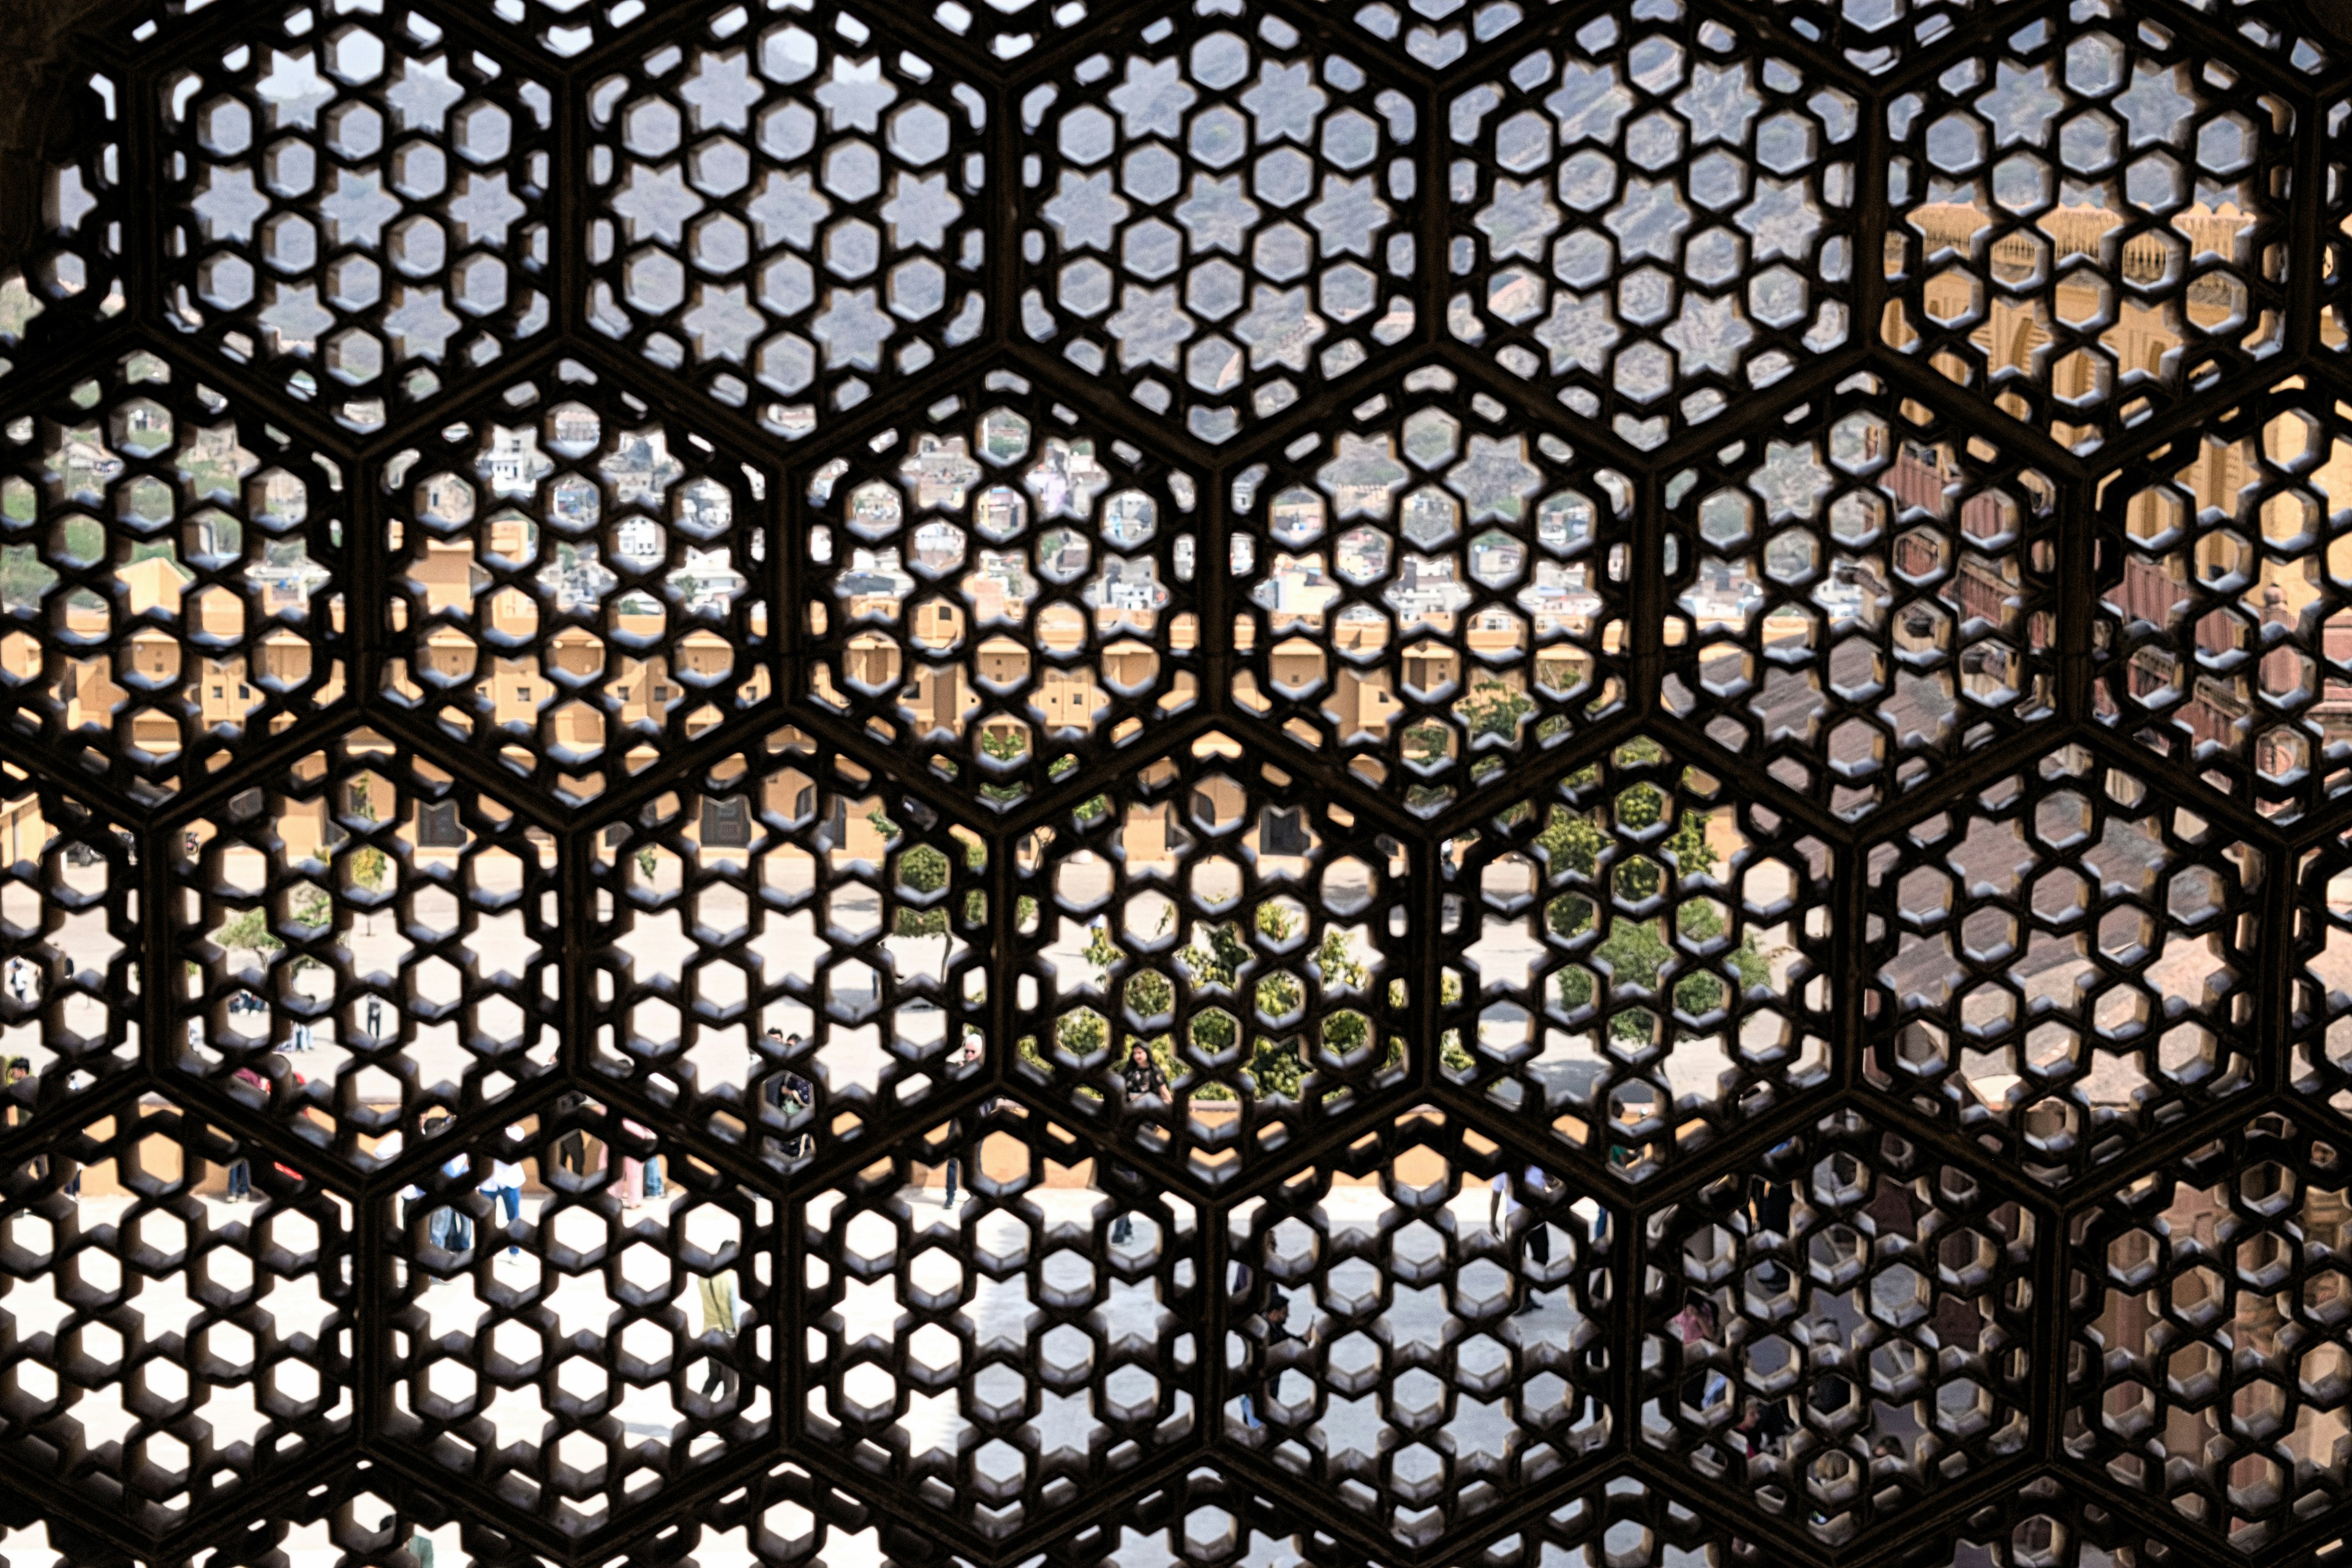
[1004, 745]
[1641, 752]
[1103, 952]
[1755, 972]
[24, 577]
[1701, 921]
[1335, 962]
[1082, 1034]
[923, 870]
[1213, 1031]
[1635, 951]
[1451, 1053]
[1640, 806]
[1572, 842]
[1150, 995]
[248, 932]
[1492, 708]
[1693, 856]
[85, 539]
[1219, 962]
[1699, 992]
[911, 921]
[1275, 1070]
[1278, 994]
[1569, 915]
[1639, 877]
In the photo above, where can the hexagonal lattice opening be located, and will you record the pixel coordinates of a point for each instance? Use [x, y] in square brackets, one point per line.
[1417, 1324]
[796, 952]
[578, 588]
[729, 174]
[181, 560]
[180, 1312]
[1008, 591]
[1635, 960]
[364, 941]
[2083, 222]
[1297, 642]
[582, 1313]
[1001, 1314]
[303, 157]
[1647, 165]
[2063, 964]
[1841, 1333]
[1218, 227]
[1211, 960]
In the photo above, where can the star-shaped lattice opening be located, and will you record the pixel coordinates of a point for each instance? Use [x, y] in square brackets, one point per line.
[1006, 588]
[2063, 964]
[1840, 1333]
[1213, 960]
[1863, 595]
[1002, 1315]
[788, 218]
[1432, 589]
[2089, 222]
[357, 208]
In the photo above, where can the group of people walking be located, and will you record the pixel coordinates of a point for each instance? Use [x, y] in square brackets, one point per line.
[449, 1226]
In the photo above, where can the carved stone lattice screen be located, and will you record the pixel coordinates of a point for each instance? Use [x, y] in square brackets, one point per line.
[1201, 784]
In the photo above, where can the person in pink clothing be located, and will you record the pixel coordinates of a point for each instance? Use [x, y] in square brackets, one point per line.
[633, 1170]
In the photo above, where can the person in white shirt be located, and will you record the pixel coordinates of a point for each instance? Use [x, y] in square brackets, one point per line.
[505, 1185]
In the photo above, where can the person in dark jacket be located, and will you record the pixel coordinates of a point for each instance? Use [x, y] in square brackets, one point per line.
[1509, 1217]
[957, 1135]
[1142, 1077]
[1269, 1329]
[572, 1149]
[1143, 1081]
[1772, 1206]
